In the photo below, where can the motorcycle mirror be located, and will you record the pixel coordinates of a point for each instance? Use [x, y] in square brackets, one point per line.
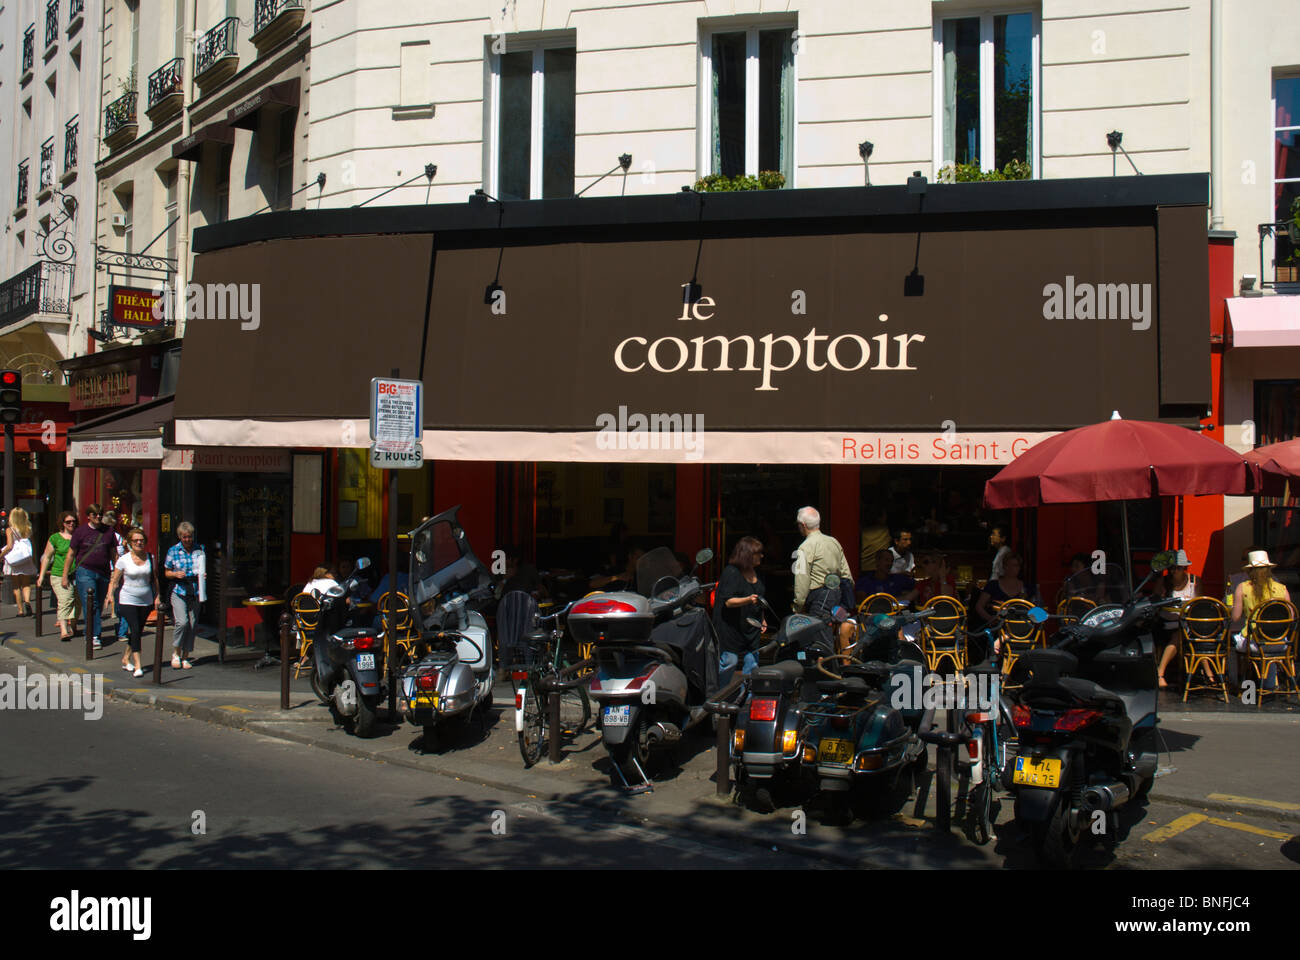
[757, 624]
[883, 621]
[363, 563]
[832, 581]
[1038, 614]
[703, 557]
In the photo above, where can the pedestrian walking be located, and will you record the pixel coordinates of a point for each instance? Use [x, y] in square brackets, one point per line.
[183, 564]
[134, 573]
[109, 520]
[54, 560]
[818, 557]
[20, 564]
[94, 551]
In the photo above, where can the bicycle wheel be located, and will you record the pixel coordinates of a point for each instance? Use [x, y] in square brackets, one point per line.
[532, 738]
[575, 710]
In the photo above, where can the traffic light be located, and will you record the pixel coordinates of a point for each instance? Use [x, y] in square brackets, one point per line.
[11, 396]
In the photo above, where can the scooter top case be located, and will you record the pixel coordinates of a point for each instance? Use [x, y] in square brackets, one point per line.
[611, 618]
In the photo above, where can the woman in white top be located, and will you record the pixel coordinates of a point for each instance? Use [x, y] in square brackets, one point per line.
[20, 565]
[136, 575]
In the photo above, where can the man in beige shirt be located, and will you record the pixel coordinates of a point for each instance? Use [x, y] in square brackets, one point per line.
[818, 557]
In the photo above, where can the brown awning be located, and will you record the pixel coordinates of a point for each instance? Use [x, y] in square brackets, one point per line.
[244, 114]
[191, 148]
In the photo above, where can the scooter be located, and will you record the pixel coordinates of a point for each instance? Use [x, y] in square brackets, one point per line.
[348, 674]
[657, 662]
[1086, 719]
[453, 674]
[866, 751]
[765, 746]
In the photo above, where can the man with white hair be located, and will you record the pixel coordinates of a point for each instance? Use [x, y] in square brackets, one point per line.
[183, 563]
[818, 557]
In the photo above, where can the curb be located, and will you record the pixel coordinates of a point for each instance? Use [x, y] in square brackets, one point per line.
[1220, 806]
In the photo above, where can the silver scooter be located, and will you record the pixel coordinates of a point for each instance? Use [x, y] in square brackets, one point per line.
[453, 674]
[657, 661]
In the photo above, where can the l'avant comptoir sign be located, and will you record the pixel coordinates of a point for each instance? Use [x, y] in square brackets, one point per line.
[396, 423]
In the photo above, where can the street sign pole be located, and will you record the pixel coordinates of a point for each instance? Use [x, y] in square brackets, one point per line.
[9, 467]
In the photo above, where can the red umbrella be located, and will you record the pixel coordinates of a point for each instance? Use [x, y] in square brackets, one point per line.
[1277, 463]
[1119, 460]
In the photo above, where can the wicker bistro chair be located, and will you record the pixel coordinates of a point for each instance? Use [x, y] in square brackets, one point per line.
[1271, 641]
[1018, 634]
[876, 603]
[943, 635]
[306, 618]
[1072, 609]
[407, 636]
[1204, 625]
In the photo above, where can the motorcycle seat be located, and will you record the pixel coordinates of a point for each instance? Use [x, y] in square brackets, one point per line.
[873, 669]
[854, 686]
[1093, 693]
[780, 677]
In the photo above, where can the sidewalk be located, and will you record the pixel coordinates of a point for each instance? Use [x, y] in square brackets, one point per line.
[1215, 757]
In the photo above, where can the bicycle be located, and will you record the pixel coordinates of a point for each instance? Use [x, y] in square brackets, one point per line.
[988, 733]
[535, 672]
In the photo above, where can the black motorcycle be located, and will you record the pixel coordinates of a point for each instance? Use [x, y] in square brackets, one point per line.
[348, 675]
[1086, 723]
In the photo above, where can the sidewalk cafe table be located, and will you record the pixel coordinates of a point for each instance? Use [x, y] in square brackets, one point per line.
[266, 606]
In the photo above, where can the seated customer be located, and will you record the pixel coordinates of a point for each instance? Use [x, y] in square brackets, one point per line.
[935, 579]
[898, 585]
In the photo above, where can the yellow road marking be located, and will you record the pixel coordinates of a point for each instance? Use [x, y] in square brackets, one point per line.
[1174, 828]
[1258, 831]
[79, 670]
[177, 696]
[106, 679]
[54, 659]
[16, 640]
[235, 709]
[1274, 804]
[36, 650]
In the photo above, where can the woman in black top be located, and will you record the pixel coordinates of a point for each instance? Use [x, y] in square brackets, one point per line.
[734, 604]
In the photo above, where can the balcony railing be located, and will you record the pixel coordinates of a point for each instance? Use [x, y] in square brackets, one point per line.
[70, 146]
[29, 49]
[47, 165]
[22, 185]
[165, 81]
[75, 9]
[119, 114]
[51, 22]
[217, 43]
[264, 11]
[44, 287]
[1286, 244]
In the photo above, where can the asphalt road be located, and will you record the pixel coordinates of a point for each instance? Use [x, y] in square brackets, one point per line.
[140, 788]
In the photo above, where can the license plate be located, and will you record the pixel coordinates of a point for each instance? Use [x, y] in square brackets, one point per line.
[835, 751]
[429, 700]
[1033, 772]
[617, 716]
[365, 661]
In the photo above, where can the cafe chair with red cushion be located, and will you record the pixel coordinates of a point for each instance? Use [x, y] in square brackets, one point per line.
[1204, 624]
[244, 618]
[1271, 636]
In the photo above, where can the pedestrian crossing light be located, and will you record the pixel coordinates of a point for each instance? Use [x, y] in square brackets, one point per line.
[11, 396]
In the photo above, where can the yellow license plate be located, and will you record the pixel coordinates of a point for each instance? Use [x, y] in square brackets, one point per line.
[836, 751]
[1033, 772]
[429, 700]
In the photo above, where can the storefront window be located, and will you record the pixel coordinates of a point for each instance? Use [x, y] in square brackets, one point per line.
[361, 497]
[1277, 519]
[120, 491]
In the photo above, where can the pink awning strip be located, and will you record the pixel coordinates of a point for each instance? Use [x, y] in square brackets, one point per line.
[1265, 321]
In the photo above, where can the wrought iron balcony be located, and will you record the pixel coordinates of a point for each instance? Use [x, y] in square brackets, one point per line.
[44, 287]
[214, 47]
[22, 185]
[1286, 255]
[75, 10]
[70, 146]
[51, 22]
[29, 50]
[119, 121]
[166, 90]
[47, 167]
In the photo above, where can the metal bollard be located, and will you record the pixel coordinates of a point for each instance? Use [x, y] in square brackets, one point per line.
[724, 754]
[40, 610]
[553, 707]
[90, 634]
[158, 646]
[284, 660]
